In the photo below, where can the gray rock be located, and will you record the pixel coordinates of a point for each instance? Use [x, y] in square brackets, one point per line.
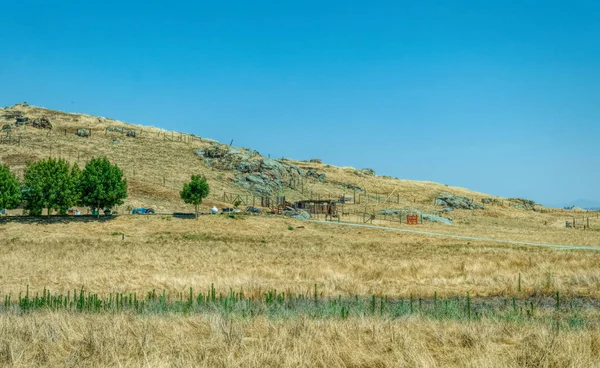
[246, 167]
[255, 179]
[449, 200]
[523, 204]
[262, 175]
[438, 219]
[216, 151]
[313, 173]
[84, 133]
[369, 172]
[297, 214]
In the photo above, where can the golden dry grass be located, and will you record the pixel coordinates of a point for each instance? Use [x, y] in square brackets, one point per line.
[260, 253]
[122, 340]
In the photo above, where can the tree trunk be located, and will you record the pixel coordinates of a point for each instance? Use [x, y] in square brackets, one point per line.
[98, 209]
[196, 211]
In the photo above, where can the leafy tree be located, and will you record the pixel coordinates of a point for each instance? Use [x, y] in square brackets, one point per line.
[10, 189]
[49, 184]
[102, 184]
[194, 191]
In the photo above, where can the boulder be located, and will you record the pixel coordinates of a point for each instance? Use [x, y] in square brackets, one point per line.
[313, 173]
[369, 172]
[297, 214]
[84, 133]
[449, 200]
[216, 151]
[42, 123]
[438, 219]
[522, 204]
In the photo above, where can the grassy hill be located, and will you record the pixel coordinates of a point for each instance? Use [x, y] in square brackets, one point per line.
[157, 163]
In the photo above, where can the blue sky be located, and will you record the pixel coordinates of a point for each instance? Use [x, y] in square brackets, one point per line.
[501, 97]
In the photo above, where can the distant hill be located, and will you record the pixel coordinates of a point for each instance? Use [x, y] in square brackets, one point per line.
[585, 204]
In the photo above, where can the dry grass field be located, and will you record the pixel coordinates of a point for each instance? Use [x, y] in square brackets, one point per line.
[260, 253]
[124, 340]
[255, 254]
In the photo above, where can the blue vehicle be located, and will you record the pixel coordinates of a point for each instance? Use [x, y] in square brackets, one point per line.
[143, 211]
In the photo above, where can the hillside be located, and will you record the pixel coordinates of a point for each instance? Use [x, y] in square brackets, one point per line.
[157, 162]
[276, 291]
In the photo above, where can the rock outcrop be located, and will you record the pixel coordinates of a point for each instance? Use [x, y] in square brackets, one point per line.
[261, 175]
[522, 204]
[449, 200]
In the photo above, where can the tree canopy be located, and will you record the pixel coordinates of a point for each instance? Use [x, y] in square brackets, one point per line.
[49, 184]
[10, 189]
[102, 184]
[194, 191]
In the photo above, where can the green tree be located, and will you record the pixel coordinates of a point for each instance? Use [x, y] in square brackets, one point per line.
[102, 184]
[49, 184]
[194, 191]
[10, 189]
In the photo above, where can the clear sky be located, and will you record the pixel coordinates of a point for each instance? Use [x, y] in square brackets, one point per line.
[496, 96]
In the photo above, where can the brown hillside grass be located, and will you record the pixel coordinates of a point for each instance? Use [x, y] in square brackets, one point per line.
[157, 163]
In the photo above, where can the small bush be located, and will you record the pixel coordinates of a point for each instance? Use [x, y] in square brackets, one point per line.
[290, 228]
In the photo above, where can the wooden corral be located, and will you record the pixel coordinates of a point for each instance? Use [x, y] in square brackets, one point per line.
[326, 207]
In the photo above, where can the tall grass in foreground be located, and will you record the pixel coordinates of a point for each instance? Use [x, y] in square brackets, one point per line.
[275, 304]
